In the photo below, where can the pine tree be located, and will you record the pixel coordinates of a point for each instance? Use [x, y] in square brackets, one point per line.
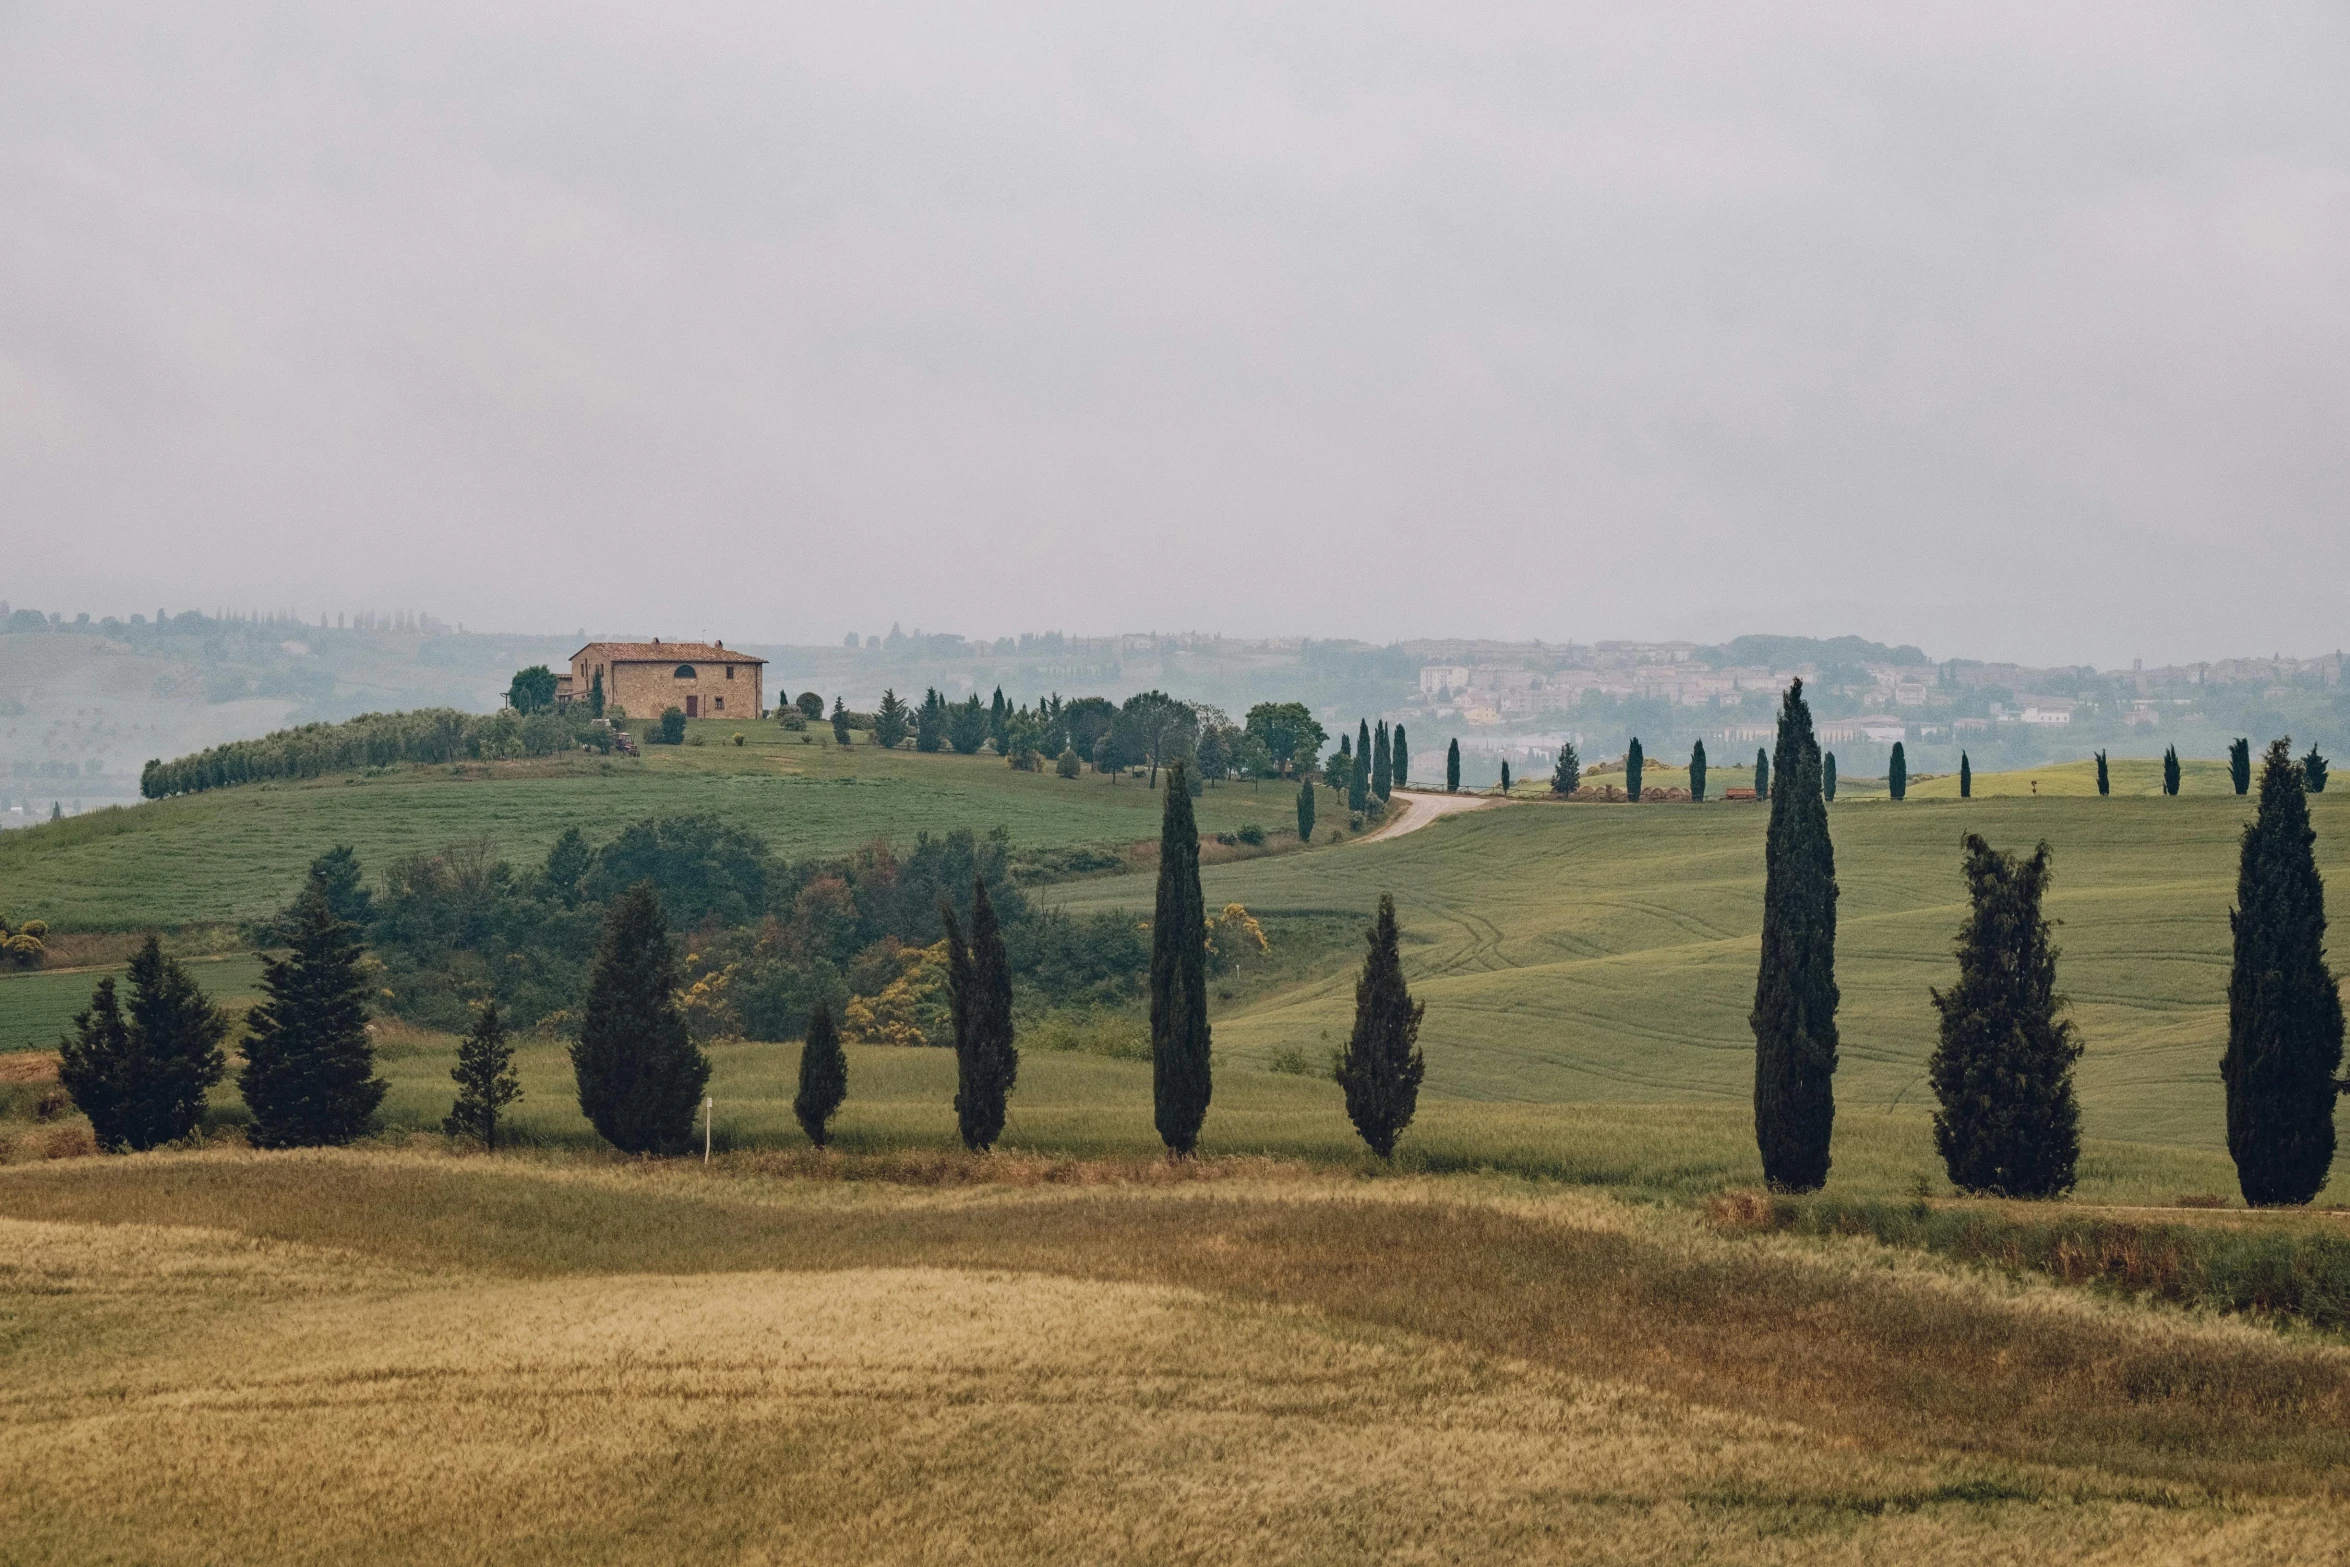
[1966, 777]
[1179, 982]
[1795, 995]
[979, 991]
[1635, 764]
[930, 723]
[309, 1075]
[2240, 765]
[1381, 1067]
[2313, 772]
[1566, 774]
[1382, 782]
[1697, 771]
[2170, 770]
[824, 1076]
[1828, 777]
[1897, 773]
[1399, 770]
[1305, 811]
[485, 1077]
[2104, 778]
[1452, 767]
[1358, 789]
[2003, 1071]
[840, 721]
[142, 1080]
[1762, 774]
[2284, 1012]
[640, 1075]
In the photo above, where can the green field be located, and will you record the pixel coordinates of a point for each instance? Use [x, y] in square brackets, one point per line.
[36, 1008]
[235, 853]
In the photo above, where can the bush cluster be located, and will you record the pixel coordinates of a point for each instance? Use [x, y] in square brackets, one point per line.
[435, 734]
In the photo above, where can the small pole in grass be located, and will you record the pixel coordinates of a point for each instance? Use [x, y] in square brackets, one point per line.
[707, 1104]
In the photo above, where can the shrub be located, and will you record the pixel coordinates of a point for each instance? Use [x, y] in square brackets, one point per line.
[1068, 766]
[1251, 834]
[672, 726]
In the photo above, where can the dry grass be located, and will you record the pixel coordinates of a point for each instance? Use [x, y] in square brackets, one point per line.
[386, 1356]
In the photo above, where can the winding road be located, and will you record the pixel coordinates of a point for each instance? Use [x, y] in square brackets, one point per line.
[1425, 806]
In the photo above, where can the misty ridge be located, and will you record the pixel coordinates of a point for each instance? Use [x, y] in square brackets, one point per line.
[86, 701]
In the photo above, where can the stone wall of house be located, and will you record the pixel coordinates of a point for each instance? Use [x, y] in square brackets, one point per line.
[644, 691]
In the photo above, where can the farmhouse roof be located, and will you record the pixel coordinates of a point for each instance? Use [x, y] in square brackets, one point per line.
[660, 652]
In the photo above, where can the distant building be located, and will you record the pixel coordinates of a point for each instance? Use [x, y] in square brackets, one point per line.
[2048, 710]
[1438, 679]
[1883, 731]
[646, 679]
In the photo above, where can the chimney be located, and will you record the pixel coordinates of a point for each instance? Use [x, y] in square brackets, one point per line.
[721, 642]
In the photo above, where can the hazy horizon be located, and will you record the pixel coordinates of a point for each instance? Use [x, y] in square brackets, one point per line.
[2016, 333]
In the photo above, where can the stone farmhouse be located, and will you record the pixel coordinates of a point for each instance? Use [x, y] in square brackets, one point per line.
[645, 679]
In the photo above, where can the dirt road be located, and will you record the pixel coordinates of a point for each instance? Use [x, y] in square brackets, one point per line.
[1422, 807]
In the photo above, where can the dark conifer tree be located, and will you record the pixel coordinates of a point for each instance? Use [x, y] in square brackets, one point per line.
[1795, 994]
[1179, 982]
[1635, 764]
[2104, 778]
[1381, 1068]
[1828, 777]
[337, 877]
[485, 1078]
[999, 721]
[596, 696]
[1697, 771]
[2170, 770]
[2003, 1071]
[840, 721]
[1399, 770]
[1382, 781]
[2284, 1011]
[1566, 774]
[309, 1075]
[1358, 789]
[930, 723]
[824, 1076]
[1762, 774]
[1897, 773]
[1452, 767]
[979, 993]
[640, 1074]
[1505, 777]
[1966, 777]
[2313, 772]
[142, 1079]
[2240, 765]
[1305, 811]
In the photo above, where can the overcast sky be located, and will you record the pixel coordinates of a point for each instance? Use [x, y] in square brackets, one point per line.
[2011, 331]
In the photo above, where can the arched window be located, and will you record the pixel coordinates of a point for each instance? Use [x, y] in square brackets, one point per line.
[685, 671]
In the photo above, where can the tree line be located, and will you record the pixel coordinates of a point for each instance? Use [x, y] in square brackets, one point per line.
[431, 735]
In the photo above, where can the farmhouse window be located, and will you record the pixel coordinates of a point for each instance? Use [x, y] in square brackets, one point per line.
[718, 704]
[730, 671]
[685, 672]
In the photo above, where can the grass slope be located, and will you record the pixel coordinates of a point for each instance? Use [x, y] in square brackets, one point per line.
[36, 1008]
[235, 853]
[1597, 952]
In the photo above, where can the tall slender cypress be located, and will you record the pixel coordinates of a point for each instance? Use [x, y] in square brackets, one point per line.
[2003, 1070]
[1358, 788]
[309, 1075]
[1382, 780]
[1381, 1067]
[1966, 777]
[485, 1078]
[1505, 776]
[1897, 773]
[1697, 771]
[1762, 774]
[142, 1078]
[1305, 811]
[2104, 778]
[1795, 994]
[979, 989]
[2284, 1012]
[1399, 767]
[2240, 764]
[1828, 777]
[2170, 770]
[824, 1076]
[640, 1075]
[1179, 981]
[2313, 772]
[1452, 767]
[1635, 763]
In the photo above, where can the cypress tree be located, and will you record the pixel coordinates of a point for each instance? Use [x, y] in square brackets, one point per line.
[1966, 777]
[1762, 774]
[2284, 1012]
[309, 1075]
[1795, 995]
[2104, 778]
[1505, 777]
[2240, 765]
[999, 720]
[979, 992]
[1897, 774]
[2170, 770]
[1358, 789]
[640, 1075]
[1381, 1068]
[1566, 774]
[2313, 772]
[930, 723]
[1305, 811]
[485, 1078]
[1697, 771]
[142, 1079]
[1399, 770]
[1382, 780]
[840, 721]
[1828, 777]
[824, 1076]
[1179, 982]
[1452, 767]
[596, 696]
[2003, 1071]
[1635, 763]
